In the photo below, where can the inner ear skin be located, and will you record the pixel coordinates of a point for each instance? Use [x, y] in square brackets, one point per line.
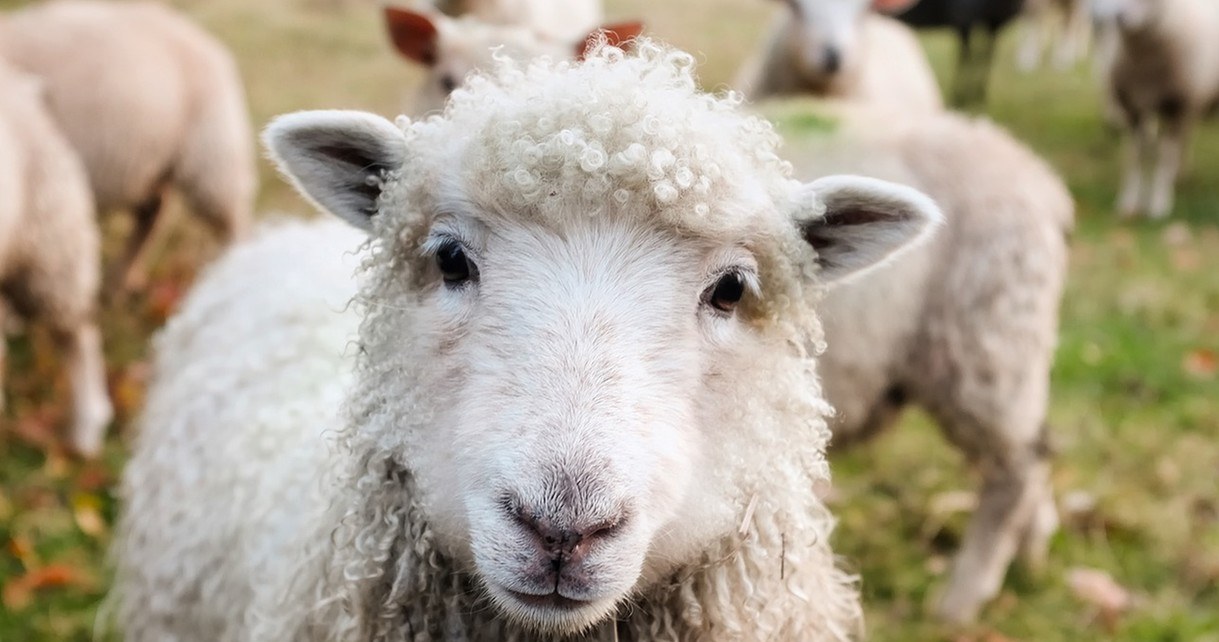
[364, 165]
[823, 233]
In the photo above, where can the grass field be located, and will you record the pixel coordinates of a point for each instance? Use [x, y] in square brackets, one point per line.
[1135, 399]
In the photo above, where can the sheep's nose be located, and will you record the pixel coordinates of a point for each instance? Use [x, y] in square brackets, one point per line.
[832, 61]
[564, 544]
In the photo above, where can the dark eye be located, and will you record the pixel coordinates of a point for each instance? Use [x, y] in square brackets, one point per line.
[454, 265]
[727, 292]
[448, 83]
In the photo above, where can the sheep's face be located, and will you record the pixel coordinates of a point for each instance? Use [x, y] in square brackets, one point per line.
[566, 330]
[827, 34]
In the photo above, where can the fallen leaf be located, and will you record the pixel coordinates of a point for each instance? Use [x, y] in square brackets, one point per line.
[19, 593]
[163, 299]
[21, 548]
[1097, 588]
[1201, 363]
[86, 510]
[127, 389]
[37, 428]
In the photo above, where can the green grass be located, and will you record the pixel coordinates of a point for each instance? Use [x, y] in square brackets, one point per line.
[1135, 409]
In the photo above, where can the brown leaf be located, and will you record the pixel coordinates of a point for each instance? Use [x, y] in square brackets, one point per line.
[1097, 588]
[127, 389]
[18, 593]
[86, 510]
[38, 428]
[163, 299]
[1201, 363]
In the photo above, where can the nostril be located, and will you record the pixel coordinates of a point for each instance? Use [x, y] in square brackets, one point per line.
[833, 60]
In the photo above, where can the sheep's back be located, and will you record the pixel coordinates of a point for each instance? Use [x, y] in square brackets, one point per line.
[249, 376]
[125, 81]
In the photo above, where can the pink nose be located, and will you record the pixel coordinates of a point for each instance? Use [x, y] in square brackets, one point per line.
[565, 544]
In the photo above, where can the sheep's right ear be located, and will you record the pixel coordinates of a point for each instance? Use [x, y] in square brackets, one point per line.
[337, 159]
[892, 7]
[856, 223]
[619, 34]
[415, 35]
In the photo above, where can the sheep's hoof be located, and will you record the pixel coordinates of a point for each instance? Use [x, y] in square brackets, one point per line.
[89, 430]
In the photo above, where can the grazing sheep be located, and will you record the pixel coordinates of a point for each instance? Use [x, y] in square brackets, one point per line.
[582, 403]
[964, 326]
[839, 48]
[149, 101]
[452, 48]
[49, 249]
[1064, 23]
[964, 17]
[559, 20]
[1164, 77]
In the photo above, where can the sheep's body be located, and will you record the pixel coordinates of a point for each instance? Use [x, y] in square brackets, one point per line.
[149, 101]
[1164, 78]
[884, 65]
[428, 509]
[557, 20]
[49, 248]
[964, 326]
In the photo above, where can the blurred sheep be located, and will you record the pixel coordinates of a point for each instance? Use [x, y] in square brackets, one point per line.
[558, 20]
[49, 249]
[839, 48]
[964, 327]
[1163, 76]
[150, 101]
[451, 48]
[1063, 23]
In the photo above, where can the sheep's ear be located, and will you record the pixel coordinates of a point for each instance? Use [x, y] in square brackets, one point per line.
[616, 35]
[865, 222]
[415, 35]
[337, 159]
[892, 7]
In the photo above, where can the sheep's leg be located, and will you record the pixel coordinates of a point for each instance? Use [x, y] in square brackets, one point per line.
[1075, 35]
[131, 272]
[1140, 141]
[965, 67]
[1013, 501]
[1033, 28]
[82, 349]
[1174, 132]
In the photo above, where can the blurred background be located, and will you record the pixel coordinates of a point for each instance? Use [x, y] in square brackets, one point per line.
[1135, 398]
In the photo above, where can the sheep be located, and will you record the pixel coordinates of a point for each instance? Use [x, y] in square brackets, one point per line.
[452, 48]
[963, 16]
[1066, 22]
[964, 326]
[149, 101]
[49, 249]
[582, 403]
[840, 49]
[1164, 78]
[559, 20]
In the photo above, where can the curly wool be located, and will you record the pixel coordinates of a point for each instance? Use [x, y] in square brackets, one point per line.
[357, 559]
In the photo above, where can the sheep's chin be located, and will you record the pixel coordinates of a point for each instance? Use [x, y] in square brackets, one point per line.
[551, 614]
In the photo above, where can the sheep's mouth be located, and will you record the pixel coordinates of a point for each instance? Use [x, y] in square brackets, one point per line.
[548, 601]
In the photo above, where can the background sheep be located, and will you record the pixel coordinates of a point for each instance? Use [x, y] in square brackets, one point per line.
[558, 20]
[1164, 77]
[839, 48]
[149, 101]
[452, 48]
[567, 348]
[964, 17]
[49, 249]
[964, 326]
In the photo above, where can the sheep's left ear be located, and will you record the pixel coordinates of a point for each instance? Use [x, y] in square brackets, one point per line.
[337, 159]
[616, 35]
[865, 222]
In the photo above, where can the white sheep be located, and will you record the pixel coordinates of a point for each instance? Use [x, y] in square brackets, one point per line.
[1163, 76]
[582, 398]
[964, 326]
[50, 249]
[841, 49]
[149, 101]
[450, 49]
[558, 20]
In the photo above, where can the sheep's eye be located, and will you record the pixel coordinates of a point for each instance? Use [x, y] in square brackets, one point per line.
[448, 83]
[727, 292]
[454, 265]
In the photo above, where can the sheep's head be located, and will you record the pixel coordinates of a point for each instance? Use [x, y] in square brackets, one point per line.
[450, 49]
[827, 34]
[590, 313]
[1131, 16]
